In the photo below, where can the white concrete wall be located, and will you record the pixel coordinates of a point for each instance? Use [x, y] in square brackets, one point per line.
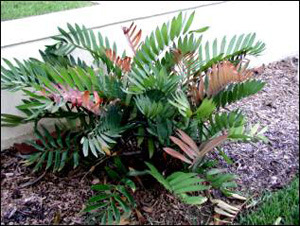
[276, 23]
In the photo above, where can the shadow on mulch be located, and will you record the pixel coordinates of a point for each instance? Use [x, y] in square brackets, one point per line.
[40, 203]
[60, 198]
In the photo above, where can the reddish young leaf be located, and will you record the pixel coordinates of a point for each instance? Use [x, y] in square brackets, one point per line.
[132, 38]
[188, 140]
[176, 154]
[124, 64]
[77, 98]
[25, 149]
[186, 149]
[219, 76]
[98, 100]
[211, 144]
[86, 98]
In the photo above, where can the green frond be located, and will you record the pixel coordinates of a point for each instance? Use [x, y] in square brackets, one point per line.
[141, 81]
[237, 91]
[182, 104]
[80, 37]
[248, 133]
[238, 46]
[54, 150]
[9, 120]
[180, 184]
[100, 138]
[61, 61]
[221, 180]
[151, 109]
[110, 86]
[111, 203]
[34, 109]
[206, 108]
[161, 128]
[21, 75]
[86, 39]
[161, 38]
[45, 77]
[223, 121]
[188, 43]
[235, 123]
[39, 75]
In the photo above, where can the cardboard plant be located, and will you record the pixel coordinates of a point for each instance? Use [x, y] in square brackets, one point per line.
[171, 82]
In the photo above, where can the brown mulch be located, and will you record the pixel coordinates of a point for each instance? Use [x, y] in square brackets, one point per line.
[160, 208]
[52, 199]
[60, 198]
[269, 166]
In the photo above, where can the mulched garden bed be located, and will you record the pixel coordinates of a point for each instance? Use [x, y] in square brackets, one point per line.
[270, 166]
[60, 198]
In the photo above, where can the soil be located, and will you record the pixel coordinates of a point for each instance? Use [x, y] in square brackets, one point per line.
[58, 199]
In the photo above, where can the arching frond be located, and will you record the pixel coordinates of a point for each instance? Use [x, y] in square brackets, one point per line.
[54, 150]
[151, 109]
[181, 184]
[219, 77]
[161, 38]
[101, 137]
[193, 153]
[234, 51]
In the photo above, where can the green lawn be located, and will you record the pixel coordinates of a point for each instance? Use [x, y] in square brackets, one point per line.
[283, 203]
[18, 9]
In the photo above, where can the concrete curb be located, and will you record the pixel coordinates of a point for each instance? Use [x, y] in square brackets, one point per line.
[45, 26]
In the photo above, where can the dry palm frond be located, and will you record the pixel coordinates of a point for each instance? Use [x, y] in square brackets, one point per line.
[218, 77]
[124, 64]
[132, 37]
[226, 211]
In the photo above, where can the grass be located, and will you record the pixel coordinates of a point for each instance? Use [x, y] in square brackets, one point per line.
[282, 204]
[19, 9]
